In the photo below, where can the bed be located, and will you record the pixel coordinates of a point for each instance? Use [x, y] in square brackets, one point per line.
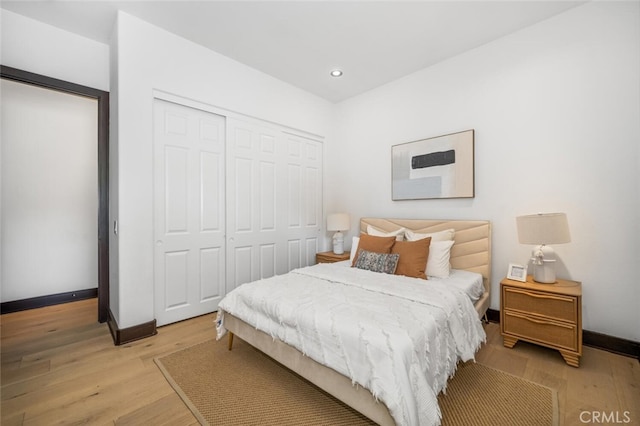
[348, 382]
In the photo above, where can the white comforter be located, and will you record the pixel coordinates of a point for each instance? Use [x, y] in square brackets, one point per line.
[399, 337]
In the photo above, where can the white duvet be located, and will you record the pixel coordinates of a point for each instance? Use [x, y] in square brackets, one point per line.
[399, 337]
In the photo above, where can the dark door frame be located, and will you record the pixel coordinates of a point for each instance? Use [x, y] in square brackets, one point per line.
[103, 167]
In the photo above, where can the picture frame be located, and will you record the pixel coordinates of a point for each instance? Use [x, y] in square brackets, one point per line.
[437, 167]
[517, 272]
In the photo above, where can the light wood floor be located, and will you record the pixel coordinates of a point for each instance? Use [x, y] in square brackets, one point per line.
[59, 366]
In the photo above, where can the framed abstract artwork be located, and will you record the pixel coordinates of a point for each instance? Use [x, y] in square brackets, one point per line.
[439, 167]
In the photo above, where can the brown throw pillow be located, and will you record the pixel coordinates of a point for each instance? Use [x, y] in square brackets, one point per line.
[413, 257]
[374, 244]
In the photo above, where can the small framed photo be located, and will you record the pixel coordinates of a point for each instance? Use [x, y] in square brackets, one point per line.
[517, 272]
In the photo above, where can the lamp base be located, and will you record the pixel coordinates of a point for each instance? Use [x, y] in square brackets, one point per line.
[338, 243]
[544, 264]
[545, 273]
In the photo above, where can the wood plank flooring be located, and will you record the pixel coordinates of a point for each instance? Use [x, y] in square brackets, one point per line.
[59, 366]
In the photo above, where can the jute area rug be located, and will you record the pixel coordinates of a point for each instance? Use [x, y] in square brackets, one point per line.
[246, 387]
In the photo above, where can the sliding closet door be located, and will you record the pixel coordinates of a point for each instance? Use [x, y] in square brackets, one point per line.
[303, 199]
[189, 222]
[274, 198]
[253, 203]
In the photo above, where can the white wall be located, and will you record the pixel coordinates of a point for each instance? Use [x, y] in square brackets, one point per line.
[39, 48]
[114, 179]
[556, 113]
[49, 198]
[148, 59]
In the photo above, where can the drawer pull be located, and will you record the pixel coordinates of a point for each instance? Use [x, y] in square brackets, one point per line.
[570, 327]
[541, 296]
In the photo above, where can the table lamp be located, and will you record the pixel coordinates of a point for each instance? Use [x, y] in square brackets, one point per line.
[543, 229]
[338, 222]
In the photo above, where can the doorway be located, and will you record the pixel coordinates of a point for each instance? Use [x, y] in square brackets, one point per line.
[102, 99]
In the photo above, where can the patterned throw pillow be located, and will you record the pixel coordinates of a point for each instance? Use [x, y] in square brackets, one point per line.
[377, 262]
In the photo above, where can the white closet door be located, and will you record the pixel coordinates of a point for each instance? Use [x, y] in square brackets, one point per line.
[303, 199]
[252, 202]
[274, 192]
[189, 222]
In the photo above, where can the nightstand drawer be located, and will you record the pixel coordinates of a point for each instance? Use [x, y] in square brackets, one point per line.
[554, 306]
[546, 332]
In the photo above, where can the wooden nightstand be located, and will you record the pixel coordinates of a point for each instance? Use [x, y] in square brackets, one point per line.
[330, 257]
[545, 314]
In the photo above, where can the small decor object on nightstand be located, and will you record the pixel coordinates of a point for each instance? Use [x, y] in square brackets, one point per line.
[338, 222]
[517, 272]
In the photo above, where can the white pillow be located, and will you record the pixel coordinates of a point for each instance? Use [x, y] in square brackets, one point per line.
[438, 261]
[446, 235]
[399, 233]
[354, 248]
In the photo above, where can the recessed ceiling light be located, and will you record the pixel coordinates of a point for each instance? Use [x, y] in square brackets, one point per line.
[336, 73]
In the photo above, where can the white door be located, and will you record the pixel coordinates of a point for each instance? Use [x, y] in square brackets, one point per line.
[274, 201]
[252, 202]
[189, 210]
[303, 199]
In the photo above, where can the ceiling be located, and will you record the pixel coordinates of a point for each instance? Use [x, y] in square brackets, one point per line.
[300, 42]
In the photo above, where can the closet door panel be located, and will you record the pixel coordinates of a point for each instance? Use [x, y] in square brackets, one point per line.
[267, 260]
[189, 197]
[294, 192]
[293, 254]
[175, 189]
[211, 268]
[310, 251]
[251, 202]
[243, 210]
[276, 203]
[241, 258]
[176, 278]
[212, 192]
[267, 195]
[312, 203]
[304, 165]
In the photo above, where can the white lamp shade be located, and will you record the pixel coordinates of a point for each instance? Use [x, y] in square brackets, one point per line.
[338, 222]
[543, 228]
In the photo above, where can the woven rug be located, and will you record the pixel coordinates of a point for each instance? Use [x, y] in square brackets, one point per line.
[246, 387]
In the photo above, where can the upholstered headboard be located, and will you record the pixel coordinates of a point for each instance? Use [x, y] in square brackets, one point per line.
[471, 250]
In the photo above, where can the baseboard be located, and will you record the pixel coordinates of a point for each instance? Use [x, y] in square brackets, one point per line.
[50, 300]
[594, 340]
[611, 344]
[493, 315]
[122, 336]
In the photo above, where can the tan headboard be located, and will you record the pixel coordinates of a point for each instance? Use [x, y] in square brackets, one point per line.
[471, 250]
